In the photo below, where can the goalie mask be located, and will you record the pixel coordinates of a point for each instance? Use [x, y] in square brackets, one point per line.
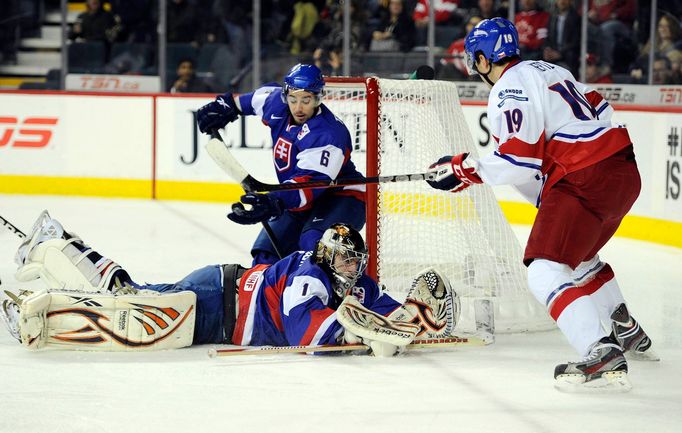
[342, 253]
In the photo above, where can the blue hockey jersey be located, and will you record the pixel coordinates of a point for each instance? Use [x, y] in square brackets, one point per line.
[320, 149]
[292, 303]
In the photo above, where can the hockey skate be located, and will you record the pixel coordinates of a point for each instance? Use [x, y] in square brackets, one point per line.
[604, 369]
[43, 229]
[631, 337]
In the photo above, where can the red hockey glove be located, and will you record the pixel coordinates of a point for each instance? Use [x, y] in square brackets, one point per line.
[453, 173]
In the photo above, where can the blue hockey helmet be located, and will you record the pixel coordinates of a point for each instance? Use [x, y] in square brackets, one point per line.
[304, 77]
[496, 38]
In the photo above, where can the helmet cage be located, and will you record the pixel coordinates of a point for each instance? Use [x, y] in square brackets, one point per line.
[342, 250]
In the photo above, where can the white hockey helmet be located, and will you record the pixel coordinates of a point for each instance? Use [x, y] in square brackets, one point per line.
[342, 253]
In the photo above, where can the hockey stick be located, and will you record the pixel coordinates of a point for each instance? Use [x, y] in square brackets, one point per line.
[421, 344]
[215, 136]
[11, 227]
[225, 160]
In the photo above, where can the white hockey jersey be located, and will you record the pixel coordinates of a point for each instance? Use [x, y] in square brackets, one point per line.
[546, 125]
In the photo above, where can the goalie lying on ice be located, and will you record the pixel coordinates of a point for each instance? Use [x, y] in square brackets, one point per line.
[307, 298]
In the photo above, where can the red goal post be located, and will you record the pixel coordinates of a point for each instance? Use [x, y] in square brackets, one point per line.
[402, 126]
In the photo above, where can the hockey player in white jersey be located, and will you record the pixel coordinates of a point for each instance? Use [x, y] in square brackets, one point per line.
[308, 298]
[556, 143]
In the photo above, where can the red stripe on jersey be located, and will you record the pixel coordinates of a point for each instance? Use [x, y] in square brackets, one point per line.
[273, 297]
[245, 296]
[594, 98]
[569, 295]
[317, 317]
[517, 147]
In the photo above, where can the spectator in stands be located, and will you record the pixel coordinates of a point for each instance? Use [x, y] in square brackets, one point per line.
[95, 24]
[665, 72]
[667, 44]
[306, 16]
[444, 13]
[396, 29]
[596, 71]
[182, 25]
[136, 18]
[614, 19]
[187, 80]
[328, 54]
[232, 24]
[531, 23]
[453, 65]
[489, 9]
[562, 46]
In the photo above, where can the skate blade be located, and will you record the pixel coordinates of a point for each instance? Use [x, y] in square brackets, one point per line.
[609, 382]
[649, 355]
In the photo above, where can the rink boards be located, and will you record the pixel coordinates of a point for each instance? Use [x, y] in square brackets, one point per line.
[147, 146]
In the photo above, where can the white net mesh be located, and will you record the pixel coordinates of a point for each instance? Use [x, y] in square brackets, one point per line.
[465, 235]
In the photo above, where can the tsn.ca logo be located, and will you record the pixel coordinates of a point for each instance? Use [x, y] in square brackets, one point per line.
[26, 132]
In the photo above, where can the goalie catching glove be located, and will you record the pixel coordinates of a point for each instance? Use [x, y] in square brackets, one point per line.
[263, 207]
[453, 173]
[384, 336]
[430, 304]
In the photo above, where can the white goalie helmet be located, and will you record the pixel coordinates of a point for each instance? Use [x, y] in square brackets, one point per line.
[342, 252]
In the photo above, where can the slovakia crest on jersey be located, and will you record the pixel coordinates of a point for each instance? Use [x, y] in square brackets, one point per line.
[282, 154]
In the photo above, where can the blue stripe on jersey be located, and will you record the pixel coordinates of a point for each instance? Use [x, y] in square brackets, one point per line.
[575, 137]
[518, 163]
[603, 107]
[597, 266]
[556, 291]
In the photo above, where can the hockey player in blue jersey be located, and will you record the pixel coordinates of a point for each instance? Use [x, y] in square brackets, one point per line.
[312, 297]
[309, 143]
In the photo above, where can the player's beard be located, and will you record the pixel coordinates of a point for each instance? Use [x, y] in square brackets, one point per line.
[303, 117]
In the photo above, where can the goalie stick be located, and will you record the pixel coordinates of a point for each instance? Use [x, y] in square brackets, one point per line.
[11, 227]
[420, 344]
[221, 154]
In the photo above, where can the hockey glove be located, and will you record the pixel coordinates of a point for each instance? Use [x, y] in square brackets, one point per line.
[218, 113]
[453, 173]
[263, 207]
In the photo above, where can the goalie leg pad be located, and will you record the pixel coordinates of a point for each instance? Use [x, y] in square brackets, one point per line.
[68, 263]
[431, 304]
[374, 329]
[104, 322]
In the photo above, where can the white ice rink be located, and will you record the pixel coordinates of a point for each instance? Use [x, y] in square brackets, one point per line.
[503, 388]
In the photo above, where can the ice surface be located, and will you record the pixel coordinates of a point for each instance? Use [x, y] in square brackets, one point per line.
[506, 387]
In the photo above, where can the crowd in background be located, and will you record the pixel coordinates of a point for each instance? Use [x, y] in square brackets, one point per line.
[618, 33]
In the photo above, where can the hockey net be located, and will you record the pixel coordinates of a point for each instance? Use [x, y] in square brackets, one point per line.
[402, 126]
